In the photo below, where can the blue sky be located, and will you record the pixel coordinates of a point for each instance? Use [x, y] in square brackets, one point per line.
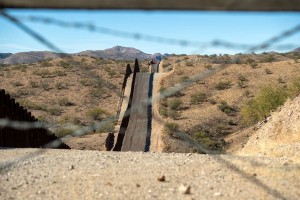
[238, 27]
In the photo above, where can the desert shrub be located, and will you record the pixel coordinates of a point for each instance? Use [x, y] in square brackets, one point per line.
[175, 104]
[294, 88]
[212, 101]
[203, 138]
[34, 84]
[242, 78]
[46, 64]
[171, 127]
[242, 84]
[269, 58]
[162, 89]
[268, 99]
[22, 92]
[42, 119]
[224, 107]
[96, 113]
[64, 64]
[250, 61]
[184, 79]
[237, 61]
[107, 128]
[59, 73]
[199, 97]
[190, 64]
[112, 73]
[45, 86]
[62, 132]
[163, 111]
[17, 83]
[254, 65]
[86, 82]
[98, 92]
[43, 73]
[208, 66]
[173, 114]
[222, 85]
[280, 80]
[31, 105]
[60, 86]
[200, 134]
[54, 111]
[268, 71]
[65, 102]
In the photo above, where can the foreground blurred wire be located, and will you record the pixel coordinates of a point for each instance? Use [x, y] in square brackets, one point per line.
[169, 41]
[30, 32]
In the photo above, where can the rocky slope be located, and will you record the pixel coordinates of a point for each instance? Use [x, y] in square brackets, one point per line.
[279, 136]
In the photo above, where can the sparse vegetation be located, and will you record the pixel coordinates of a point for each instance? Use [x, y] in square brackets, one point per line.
[171, 127]
[60, 86]
[199, 97]
[65, 102]
[97, 114]
[224, 107]
[54, 111]
[223, 85]
[268, 71]
[163, 111]
[184, 79]
[175, 104]
[62, 132]
[203, 138]
[268, 99]
[174, 114]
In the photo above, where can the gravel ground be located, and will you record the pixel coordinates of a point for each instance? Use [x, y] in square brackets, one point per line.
[75, 174]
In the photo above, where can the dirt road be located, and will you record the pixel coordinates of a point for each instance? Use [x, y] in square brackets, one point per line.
[74, 174]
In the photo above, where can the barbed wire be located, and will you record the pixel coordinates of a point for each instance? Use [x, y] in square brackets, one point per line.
[30, 32]
[79, 131]
[163, 40]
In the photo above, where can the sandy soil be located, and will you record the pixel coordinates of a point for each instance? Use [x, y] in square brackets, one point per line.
[73, 174]
[279, 136]
[157, 144]
[87, 142]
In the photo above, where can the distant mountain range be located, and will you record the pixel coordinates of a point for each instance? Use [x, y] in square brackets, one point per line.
[115, 53]
[296, 50]
[5, 55]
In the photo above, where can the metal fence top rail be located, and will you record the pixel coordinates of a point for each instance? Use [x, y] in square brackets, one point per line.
[217, 5]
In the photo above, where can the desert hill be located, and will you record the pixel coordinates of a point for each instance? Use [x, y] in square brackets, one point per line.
[29, 57]
[118, 53]
[213, 109]
[5, 55]
[82, 90]
[114, 53]
[76, 90]
[296, 50]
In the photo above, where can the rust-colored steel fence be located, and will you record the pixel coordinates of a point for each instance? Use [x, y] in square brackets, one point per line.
[27, 137]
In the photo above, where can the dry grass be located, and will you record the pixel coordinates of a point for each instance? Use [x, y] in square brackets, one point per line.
[245, 82]
[63, 90]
